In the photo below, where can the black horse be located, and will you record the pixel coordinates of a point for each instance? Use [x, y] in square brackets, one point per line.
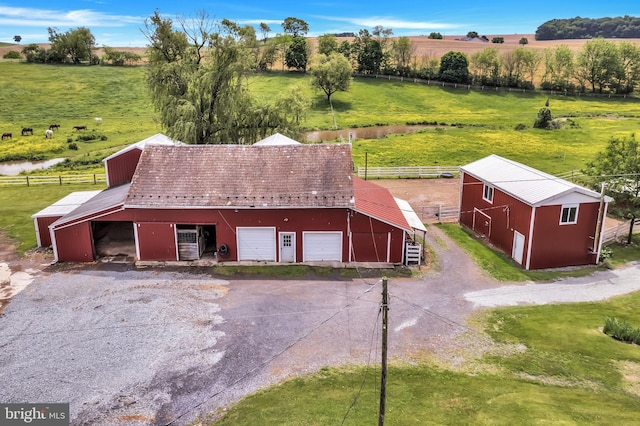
[6, 135]
[27, 131]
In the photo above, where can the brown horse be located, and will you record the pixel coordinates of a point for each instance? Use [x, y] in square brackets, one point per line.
[27, 131]
[54, 126]
[79, 127]
[6, 135]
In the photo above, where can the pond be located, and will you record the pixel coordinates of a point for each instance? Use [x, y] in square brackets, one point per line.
[11, 168]
[374, 132]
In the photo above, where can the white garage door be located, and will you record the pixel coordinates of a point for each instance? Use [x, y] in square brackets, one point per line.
[256, 243]
[322, 246]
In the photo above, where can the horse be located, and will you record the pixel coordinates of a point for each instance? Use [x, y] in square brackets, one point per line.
[54, 126]
[48, 134]
[98, 120]
[79, 127]
[6, 135]
[27, 131]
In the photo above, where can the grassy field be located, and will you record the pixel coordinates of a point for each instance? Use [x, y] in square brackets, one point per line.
[554, 367]
[474, 123]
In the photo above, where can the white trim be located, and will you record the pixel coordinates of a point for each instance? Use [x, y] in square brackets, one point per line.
[530, 241]
[484, 191]
[475, 209]
[404, 247]
[88, 218]
[569, 206]
[106, 172]
[304, 233]
[35, 224]
[175, 239]
[54, 245]
[293, 245]
[388, 247]
[460, 196]
[135, 236]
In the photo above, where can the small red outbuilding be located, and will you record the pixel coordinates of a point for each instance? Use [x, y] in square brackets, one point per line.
[266, 202]
[540, 220]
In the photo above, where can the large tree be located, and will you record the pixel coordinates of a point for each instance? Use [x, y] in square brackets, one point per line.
[598, 64]
[331, 73]
[368, 53]
[402, 52]
[454, 68]
[327, 43]
[297, 55]
[295, 27]
[76, 45]
[265, 29]
[618, 167]
[196, 79]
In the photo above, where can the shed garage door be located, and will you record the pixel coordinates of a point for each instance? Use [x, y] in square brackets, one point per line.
[256, 243]
[322, 246]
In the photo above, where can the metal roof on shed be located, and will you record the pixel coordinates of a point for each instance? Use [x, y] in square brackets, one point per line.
[108, 199]
[276, 139]
[67, 204]
[525, 183]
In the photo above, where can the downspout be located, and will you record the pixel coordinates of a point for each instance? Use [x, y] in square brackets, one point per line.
[530, 240]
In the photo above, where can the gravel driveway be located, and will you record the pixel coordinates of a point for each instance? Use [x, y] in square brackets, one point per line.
[160, 346]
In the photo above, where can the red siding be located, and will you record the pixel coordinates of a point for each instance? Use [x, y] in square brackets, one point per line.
[506, 213]
[75, 243]
[370, 240]
[120, 169]
[558, 245]
[43, 229]
[156, 241]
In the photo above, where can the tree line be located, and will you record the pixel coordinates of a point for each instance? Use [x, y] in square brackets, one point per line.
[581, 28]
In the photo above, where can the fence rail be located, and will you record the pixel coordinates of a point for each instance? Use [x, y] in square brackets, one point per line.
[52, 180]
[620, 232]
[439, 213]
[408, 172]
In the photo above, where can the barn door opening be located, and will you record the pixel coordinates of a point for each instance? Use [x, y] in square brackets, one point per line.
[113, 239]
[191, 241]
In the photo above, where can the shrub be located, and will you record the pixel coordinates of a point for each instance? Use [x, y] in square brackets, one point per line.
[543, 121]
[12, 54]
[73, 146]
[520, 126]
[621, 330]
[69, 139]
[86, 137]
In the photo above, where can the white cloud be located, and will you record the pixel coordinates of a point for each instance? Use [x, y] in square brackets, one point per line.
[29, 17]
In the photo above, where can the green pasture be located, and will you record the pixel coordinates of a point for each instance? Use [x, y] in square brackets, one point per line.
[550, 365]
[18, 203]
[471, 123]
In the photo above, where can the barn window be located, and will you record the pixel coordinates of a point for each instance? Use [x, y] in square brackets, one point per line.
[569, 215]
[487, 193]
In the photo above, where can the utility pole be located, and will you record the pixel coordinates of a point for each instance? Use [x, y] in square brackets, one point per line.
[385, 324]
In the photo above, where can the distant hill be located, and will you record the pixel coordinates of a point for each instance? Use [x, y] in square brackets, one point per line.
[585, 28]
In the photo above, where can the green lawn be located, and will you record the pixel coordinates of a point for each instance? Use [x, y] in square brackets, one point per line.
[563, 371]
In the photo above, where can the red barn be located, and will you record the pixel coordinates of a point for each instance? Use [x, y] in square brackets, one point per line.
[274, 203]
[541, 221]
[120, 166]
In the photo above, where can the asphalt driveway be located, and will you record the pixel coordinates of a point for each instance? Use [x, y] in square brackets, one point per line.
[160, 346]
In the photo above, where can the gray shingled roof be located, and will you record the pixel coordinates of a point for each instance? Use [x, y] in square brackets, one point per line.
[107, 199]
[243, 176]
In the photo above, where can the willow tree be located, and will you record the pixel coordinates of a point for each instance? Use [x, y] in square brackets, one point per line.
[196, 76]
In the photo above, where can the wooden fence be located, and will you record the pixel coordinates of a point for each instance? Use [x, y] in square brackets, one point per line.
[407, 172]
[620, 232]
[439, 213]
[52, 180]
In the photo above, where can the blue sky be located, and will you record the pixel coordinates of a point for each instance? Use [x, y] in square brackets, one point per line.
[118, 23]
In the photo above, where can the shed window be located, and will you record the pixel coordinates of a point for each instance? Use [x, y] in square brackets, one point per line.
[487, 193]
[569, 215]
